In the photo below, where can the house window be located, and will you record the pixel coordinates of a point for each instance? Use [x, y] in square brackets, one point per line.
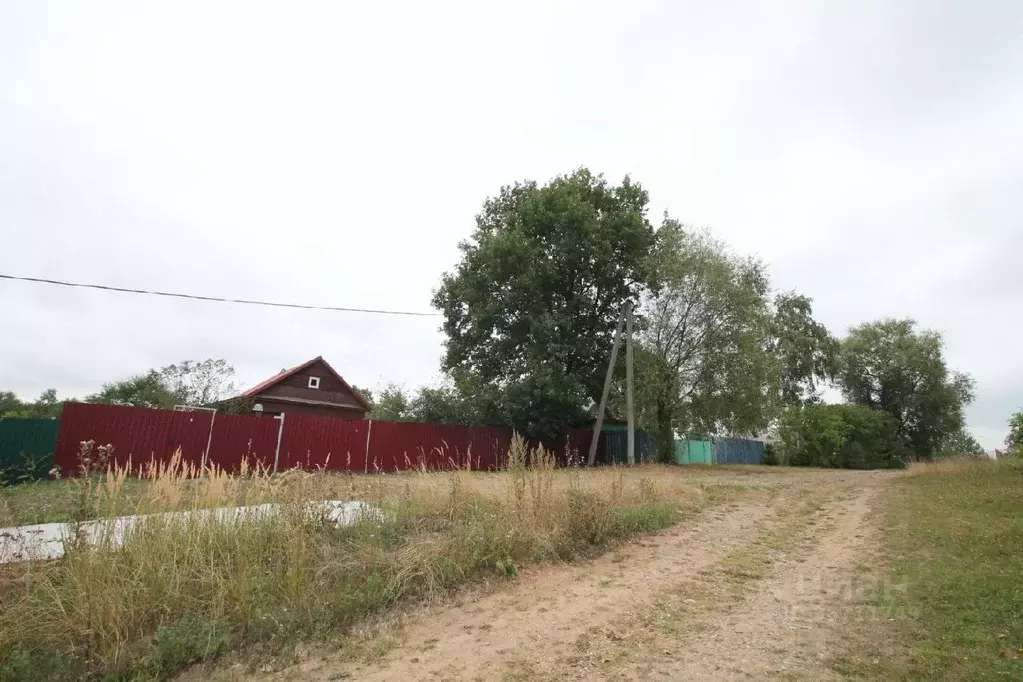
[314, 382]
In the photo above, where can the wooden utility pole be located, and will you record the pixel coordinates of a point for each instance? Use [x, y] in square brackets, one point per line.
[599, 424]
[631, 443]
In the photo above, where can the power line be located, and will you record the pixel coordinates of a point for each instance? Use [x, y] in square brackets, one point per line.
[216, 299]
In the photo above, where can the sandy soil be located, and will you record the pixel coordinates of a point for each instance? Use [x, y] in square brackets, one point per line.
[759, 588]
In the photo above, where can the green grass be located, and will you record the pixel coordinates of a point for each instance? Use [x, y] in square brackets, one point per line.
[50, 501]
[956, 546]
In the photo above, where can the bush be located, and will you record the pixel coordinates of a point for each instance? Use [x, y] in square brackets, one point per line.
[770, 455]
[842, 436]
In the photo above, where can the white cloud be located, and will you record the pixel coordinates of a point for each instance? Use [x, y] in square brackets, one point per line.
[335, 153]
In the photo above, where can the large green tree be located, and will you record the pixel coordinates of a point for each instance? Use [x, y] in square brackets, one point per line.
[805, 349]
[201, 382]
[893, 367]
[391, 404]
[141, 390]
[530, 309]
[703, 365]
[1014, 441]
[714, 354]
[442, 405]
[198, 383]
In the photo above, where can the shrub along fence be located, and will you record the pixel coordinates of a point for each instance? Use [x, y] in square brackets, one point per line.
[26, 449]
[841, 436]
[140, 436]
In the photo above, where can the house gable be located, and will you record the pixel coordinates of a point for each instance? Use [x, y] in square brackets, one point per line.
[293, 386]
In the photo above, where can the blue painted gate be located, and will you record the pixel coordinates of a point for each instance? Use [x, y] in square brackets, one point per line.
[738, 451]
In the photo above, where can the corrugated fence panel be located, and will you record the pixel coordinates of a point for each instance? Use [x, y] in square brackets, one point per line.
[310, 442]
[738, 451]
[694, 452]
[391, 444]
[26, 448]
[237, 437]
[573, 449]
[402, 445]
[616, 445]
[189, 431]
[646, 446]
[491, 442]
[578, 447]
[138, 435]
[570, 449]
[483, 447]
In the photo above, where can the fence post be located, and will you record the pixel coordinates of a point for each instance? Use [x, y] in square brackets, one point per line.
[630, 445]
[280, 432]
[209, 442]
[369, 432]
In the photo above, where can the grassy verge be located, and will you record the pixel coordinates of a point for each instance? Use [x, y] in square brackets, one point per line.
[49, 501]
[177, 593]
[956, 545]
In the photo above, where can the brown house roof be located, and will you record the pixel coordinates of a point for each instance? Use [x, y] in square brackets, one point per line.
[277, 378]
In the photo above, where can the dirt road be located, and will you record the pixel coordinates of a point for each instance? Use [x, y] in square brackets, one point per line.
[754, 589]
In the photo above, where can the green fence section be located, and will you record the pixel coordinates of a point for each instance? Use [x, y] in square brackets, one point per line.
[694, 452]
[26, 449]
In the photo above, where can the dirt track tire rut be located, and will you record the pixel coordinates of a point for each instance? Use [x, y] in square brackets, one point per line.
[751, 589]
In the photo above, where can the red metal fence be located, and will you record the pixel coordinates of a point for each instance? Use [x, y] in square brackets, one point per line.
[137, 434]
[143, 435]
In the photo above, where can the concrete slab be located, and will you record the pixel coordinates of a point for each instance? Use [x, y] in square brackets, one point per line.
[47, 540]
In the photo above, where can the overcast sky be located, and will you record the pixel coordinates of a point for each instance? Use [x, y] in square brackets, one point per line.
[334, 153]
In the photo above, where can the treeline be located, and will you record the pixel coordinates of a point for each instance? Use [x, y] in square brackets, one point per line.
[436, 404]
[531, 307]
[191, 382]
[902, 403]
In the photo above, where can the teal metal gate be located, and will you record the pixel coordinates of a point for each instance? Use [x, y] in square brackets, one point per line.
[26, 449]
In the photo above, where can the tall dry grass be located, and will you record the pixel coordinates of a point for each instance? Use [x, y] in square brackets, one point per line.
[181, 591]
[957, 464]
